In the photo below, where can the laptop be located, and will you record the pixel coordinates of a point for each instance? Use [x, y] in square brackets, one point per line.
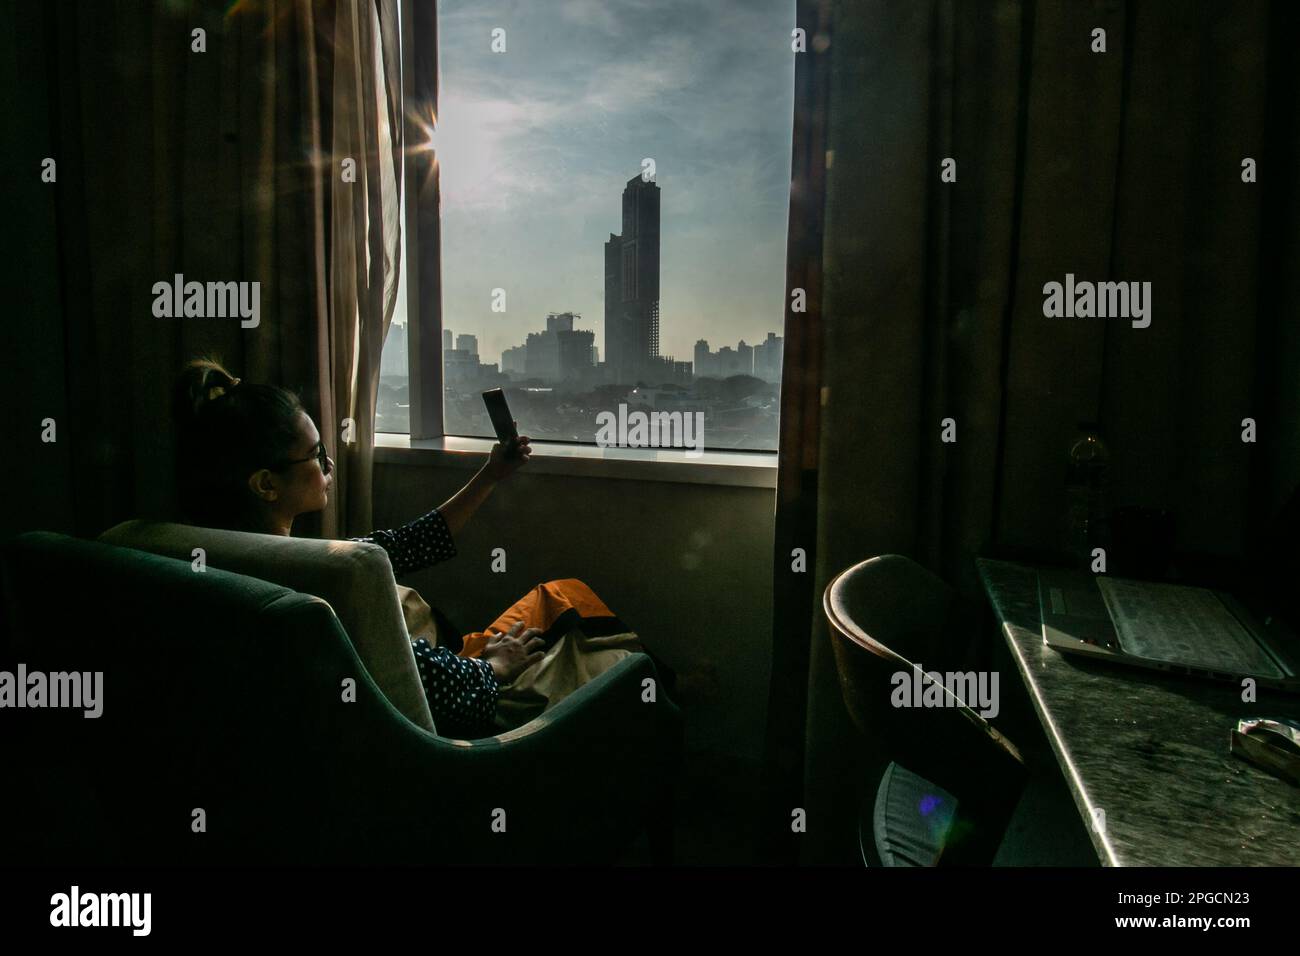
[1168, 627]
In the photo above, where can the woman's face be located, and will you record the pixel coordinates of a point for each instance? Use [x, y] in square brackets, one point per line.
[302, 486]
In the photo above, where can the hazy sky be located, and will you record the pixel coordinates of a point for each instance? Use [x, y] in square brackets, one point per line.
[535, 145]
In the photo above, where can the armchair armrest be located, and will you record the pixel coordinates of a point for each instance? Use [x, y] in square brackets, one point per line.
[573, 785]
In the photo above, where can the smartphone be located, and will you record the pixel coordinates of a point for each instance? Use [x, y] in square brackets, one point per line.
[499, 412]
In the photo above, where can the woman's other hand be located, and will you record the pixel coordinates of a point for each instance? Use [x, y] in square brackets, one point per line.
[510, 653]
[506, 459]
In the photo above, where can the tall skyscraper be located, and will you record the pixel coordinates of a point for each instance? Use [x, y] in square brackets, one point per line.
[632, 284]
[561, 355]
[467, 343]
[446, 340]
[744, 359]
[767, 358]
[515, 360]
[703, 359]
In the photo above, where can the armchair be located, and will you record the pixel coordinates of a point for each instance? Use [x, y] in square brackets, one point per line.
[229, 735]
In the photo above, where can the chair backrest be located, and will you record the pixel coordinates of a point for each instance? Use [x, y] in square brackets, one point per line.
[889, 616]
[354, 578]
[220, 693]
[894, 624]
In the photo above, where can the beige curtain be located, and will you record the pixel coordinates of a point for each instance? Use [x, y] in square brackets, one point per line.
[221, 164]
[366, 242]
[1124, 165]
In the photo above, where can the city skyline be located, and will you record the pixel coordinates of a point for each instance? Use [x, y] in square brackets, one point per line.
[566, 355]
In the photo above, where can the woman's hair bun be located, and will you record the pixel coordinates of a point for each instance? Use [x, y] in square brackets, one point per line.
[205, 380]
[216, 391]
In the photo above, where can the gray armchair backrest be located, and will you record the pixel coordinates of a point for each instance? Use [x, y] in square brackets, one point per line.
[221, 693]
[355, 579]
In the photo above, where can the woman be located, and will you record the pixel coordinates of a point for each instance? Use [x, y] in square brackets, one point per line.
[251, 459]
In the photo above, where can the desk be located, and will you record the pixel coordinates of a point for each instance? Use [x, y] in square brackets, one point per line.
[1149, 749]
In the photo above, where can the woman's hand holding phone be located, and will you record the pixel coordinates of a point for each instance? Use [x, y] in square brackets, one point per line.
[506, 459]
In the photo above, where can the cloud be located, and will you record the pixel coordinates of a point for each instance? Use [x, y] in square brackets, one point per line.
[591, 13]
[490, 149]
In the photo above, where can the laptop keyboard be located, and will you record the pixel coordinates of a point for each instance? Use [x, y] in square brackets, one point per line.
[1182, 625]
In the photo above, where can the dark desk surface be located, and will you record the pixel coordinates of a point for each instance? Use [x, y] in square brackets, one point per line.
[1150, 749]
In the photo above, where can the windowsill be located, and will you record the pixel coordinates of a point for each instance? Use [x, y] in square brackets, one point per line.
[748, 469]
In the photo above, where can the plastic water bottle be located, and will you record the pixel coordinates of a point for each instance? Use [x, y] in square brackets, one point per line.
[1085, 494]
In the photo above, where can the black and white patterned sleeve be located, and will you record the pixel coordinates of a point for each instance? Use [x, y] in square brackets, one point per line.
[462, 691]
[417, 544]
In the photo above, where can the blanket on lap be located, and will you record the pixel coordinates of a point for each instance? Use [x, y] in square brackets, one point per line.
[583, 638]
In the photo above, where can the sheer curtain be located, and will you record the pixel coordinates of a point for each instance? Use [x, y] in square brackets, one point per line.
[209, 140]
[366, 241]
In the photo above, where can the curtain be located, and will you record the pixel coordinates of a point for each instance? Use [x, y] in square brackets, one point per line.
[1124, 165]
[221, 164]
[366, 240]
[793, 598]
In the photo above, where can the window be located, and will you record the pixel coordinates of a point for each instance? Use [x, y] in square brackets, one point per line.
[614, 183]
[393, 406]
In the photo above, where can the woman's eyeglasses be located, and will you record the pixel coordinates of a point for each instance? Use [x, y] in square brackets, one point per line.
[319, 456]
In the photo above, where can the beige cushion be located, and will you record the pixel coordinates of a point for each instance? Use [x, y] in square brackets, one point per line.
[418, 615]
[355, 578]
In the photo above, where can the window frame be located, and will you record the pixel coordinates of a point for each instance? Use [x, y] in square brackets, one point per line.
[422, 223]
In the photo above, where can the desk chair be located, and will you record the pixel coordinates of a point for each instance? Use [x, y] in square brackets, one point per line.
[950, 781]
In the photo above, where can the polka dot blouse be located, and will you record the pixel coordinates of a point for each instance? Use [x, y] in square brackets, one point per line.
[416, 545]
[462, 691]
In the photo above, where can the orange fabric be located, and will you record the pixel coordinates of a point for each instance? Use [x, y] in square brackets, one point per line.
[541, 608]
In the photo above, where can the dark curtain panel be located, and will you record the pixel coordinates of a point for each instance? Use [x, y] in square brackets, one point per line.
[222, 165]
[1124, 165]
[793, 600]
